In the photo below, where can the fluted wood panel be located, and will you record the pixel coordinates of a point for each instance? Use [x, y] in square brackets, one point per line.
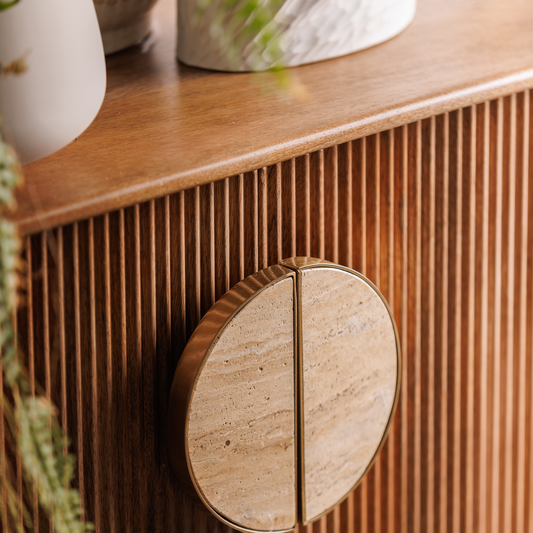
[438, 213]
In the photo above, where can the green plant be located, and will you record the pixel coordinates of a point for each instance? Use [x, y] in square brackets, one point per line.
[237, 24]
[32, 424]
[251, 25]
[32, 420]
[6, 5]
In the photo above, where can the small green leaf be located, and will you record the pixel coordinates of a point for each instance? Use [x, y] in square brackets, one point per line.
[7, 5]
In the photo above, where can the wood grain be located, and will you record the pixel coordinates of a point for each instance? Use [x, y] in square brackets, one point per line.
[165, 127]
[437, 212]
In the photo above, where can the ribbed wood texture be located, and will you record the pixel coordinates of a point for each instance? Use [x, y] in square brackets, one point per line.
[437, 213]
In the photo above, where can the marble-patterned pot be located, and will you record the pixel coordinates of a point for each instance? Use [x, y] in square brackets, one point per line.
[123, 22]
[311, 30]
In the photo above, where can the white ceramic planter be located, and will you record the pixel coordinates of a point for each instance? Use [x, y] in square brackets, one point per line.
[123, 23]
[312, 30]
[59, 95]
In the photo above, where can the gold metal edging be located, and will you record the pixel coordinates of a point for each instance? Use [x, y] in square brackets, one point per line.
[298, 368]
[210, 347]
[320, 263]
[298, 456]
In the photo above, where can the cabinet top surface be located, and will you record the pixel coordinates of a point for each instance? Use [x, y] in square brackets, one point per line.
[166, 127]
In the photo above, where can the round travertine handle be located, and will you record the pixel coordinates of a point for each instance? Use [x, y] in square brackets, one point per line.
[295, 369]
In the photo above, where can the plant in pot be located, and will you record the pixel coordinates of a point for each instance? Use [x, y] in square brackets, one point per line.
[256, 35]
[252, 35]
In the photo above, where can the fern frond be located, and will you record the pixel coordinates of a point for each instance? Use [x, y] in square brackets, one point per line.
[33, 421]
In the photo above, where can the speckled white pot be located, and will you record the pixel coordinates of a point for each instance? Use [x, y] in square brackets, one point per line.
[123, 22]
[313, 30]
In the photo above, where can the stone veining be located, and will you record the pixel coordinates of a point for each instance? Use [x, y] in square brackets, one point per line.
[349, 372]
[241, 425]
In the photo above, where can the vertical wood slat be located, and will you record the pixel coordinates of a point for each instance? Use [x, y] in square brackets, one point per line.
[497, 339]
[484, 329]
[125, 445]
[522, 423]
[457, 184]
[418, 334]
[95, 418]
[138, 436]
[430, 525]
[403, 332]
[46, 344]
[30, 358]
[437, 213]
[80, 396]
[443, 510]
[110, 422]
[510, 312]
[307, 205]
[528, 174]
[469, 456]
[392, 473]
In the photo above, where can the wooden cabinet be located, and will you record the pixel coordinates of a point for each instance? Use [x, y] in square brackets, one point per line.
[408, 162]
